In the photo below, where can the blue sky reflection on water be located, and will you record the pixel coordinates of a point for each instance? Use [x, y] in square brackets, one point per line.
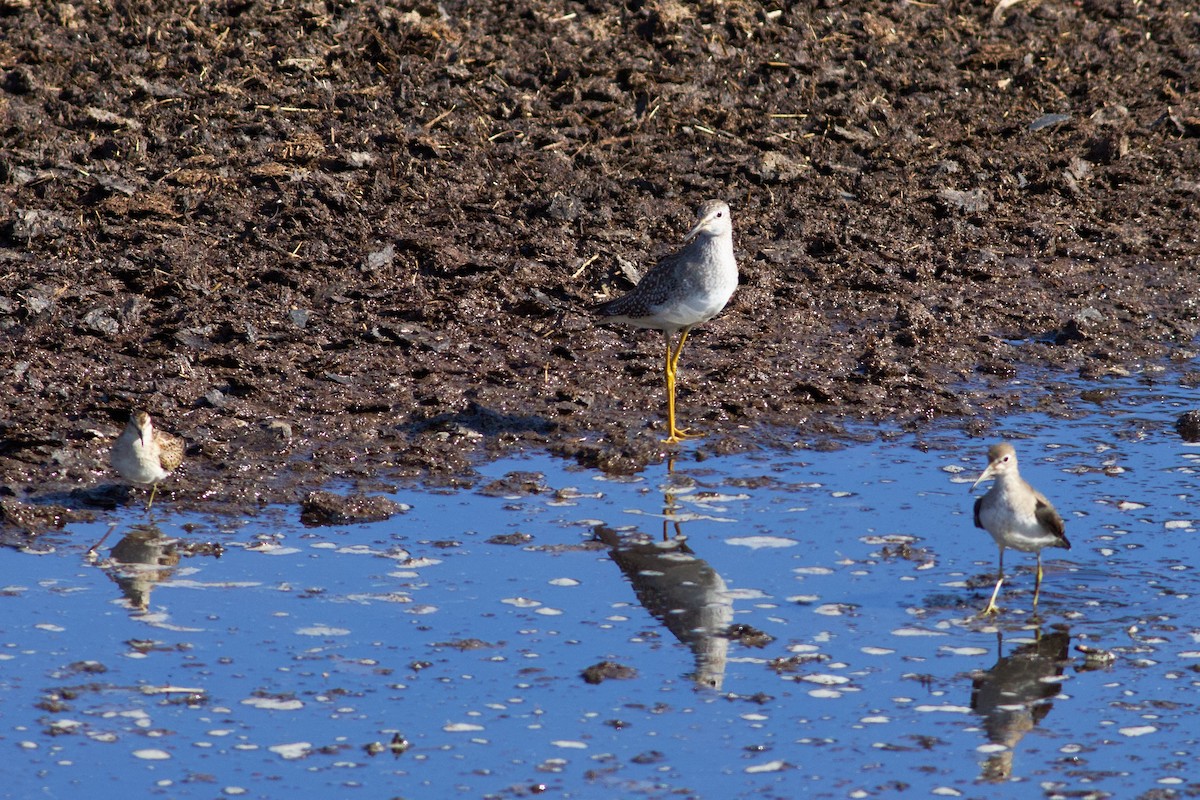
[265, 672]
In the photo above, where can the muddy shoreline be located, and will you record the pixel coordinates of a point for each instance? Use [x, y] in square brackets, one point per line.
[345, 243]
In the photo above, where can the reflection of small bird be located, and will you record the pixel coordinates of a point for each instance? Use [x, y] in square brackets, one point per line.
[141, 560]
[681, 291]
[1016, 515]
[146, 456]
[1014, 695]
[681, 590]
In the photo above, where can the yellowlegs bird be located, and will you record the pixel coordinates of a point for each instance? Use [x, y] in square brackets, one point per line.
[683, 290]
[1016, 515]
[144, 455]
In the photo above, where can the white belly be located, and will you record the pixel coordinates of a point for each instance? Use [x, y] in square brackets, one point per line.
[136, 465]
[1017, 528]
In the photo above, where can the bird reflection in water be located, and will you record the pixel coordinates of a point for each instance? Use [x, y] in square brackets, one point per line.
[677, 587]
[144, 558]
[1016, 694]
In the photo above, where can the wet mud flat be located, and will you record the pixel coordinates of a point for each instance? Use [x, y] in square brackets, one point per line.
[353, 242]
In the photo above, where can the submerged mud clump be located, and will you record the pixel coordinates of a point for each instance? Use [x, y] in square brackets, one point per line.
[327, 508]
[348, 241]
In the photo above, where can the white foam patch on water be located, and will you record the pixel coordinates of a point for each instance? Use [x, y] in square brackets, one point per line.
[891, 538]
[358, 550]
[716, 497]
[423, 608]
[917, 632]
[322, 630]
[520, 602]
[274, 550]
[761, 542]
[964, 651]
[194, 584]
[151, 754]
[1137, 730]
[273, 703]
[291, 750]
[946, 709]
[833, 609]
[390, 597]
[826, 680]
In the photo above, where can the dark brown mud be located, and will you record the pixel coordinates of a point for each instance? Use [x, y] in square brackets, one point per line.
[348, 241]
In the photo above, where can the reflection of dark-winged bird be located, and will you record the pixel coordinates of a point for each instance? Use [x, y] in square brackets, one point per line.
[683, 592]
[1016, 515]
[142, 559]
[1014, 696]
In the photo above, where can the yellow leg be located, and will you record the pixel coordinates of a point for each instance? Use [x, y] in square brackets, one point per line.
[683, 334]
[992, 608]
[674, 434]
[107, 533]
[153, 489]
[1037, 586]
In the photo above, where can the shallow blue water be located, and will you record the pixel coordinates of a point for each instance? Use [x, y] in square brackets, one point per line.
[265, 672]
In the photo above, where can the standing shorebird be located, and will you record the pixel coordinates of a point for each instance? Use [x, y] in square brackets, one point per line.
[144, 455]
[683, 290]
[1016, 515]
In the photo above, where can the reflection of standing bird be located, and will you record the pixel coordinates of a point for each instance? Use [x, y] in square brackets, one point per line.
[683, 592]
[681, 291]
[141, 560]
[1016, 515]
[144, 455]
[1014, 696]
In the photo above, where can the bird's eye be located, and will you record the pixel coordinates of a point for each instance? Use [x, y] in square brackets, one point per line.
[719, 214]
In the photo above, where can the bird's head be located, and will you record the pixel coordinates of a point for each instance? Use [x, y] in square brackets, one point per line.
[712, 219]
[1002, 460]
[140, 421]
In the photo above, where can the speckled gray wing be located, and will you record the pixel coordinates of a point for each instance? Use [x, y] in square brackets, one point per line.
[978, 508]
[1049, 519]
[653, 290]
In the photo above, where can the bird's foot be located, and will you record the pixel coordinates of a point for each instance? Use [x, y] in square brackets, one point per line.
[991, 610]
[679, 434]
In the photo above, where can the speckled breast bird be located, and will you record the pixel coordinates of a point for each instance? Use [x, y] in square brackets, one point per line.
[1016, 515]
[145, 456]
[683, 290]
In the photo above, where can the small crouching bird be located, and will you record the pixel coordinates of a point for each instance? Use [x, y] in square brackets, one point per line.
[145, 456]
[1016, 515]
